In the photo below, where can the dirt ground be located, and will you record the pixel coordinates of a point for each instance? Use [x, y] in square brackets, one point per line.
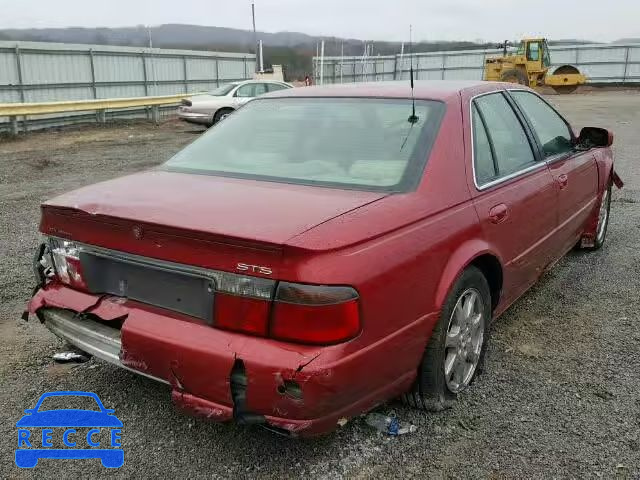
[560, 396]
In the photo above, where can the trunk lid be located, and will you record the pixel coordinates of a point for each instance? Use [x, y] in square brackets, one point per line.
[196, 219]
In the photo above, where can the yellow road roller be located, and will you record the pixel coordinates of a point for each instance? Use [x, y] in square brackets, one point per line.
[529, 66]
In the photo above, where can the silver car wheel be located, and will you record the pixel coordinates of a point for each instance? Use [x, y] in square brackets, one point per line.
[603, 217]
[463, 344]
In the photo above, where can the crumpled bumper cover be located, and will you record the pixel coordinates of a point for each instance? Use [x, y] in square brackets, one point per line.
[197, 361]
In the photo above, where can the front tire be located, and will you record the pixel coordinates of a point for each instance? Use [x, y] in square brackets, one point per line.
[604, 213]
[456, 348]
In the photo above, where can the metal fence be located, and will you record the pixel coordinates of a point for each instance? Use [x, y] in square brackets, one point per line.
[610, 63]
[44, 72]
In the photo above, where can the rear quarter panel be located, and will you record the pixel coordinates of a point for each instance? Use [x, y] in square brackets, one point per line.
[401, 253]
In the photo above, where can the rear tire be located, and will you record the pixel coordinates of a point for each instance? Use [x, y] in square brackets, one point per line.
[221, 114]
[515, 75]
[452, 344]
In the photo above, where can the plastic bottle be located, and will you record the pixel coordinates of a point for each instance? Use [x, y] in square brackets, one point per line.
[388, 424]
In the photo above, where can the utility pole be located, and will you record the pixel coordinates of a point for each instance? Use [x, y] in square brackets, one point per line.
[255, 35]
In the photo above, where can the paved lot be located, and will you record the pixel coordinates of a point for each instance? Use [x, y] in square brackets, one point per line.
[560, 396]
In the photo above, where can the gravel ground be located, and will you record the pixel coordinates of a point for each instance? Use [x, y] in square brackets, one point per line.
[559, 396]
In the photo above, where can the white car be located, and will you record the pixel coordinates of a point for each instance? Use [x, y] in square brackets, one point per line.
[212, 107]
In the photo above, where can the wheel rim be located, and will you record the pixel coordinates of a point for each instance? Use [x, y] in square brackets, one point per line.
[603, 216]
[465, 336]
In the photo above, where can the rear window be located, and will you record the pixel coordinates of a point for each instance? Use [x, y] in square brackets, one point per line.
[357, 143]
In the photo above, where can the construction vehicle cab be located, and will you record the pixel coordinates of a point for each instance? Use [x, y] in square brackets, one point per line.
[530, 65]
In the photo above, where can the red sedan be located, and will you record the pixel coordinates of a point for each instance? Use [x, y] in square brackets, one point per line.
[324, 250]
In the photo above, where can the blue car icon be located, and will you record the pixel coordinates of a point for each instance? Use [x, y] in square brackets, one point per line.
[68, 419]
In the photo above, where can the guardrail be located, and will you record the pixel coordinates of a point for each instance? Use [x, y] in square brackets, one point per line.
[14, 110]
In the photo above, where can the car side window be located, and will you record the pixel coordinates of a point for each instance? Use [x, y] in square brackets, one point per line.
[246, 90]
[274, 87]
[483, 158]
[552, 131]
[505, 134]
[260, 89]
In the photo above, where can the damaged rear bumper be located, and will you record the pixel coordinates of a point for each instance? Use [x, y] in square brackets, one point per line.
[221, 375]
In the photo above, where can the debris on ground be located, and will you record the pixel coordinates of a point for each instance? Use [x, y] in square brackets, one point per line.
[389, 424]
[70, 357]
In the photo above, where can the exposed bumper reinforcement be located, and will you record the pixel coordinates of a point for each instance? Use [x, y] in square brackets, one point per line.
[89, 336]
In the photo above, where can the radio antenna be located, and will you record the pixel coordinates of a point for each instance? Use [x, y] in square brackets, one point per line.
[412, 118]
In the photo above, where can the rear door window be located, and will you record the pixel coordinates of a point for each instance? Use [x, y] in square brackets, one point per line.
[506, 135]
[552, 131]
[246, 90]
[484, 166]
[261, 88]
[274, 87]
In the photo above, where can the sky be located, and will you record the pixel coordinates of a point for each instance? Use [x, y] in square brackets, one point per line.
[489, 20]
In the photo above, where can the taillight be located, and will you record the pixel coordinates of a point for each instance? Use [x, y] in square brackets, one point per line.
[315, 314]
[292, 312]
[242, 303]
[241, 314]
[66, 262]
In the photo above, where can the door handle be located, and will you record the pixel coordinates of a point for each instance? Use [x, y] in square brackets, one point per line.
[499, 213]
[563, 181]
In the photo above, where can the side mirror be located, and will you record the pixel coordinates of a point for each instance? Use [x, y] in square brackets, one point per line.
[595, 137]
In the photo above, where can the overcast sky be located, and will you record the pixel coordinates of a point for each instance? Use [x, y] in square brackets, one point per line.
[364, 19]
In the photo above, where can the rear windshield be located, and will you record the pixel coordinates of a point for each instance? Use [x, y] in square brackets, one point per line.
[358, 143]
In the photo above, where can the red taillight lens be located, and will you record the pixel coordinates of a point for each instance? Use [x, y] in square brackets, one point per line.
[241, 314]
[315, 314]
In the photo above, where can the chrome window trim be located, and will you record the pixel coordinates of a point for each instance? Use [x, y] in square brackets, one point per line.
[505, 178]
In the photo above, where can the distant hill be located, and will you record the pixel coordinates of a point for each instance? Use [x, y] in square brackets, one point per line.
[292, 49]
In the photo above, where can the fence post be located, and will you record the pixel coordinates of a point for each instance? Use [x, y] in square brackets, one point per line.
[626, 65]
[217, 72]
[244, 65]
[395, 67]
[155, 114]
[146, 79]
[93, 74]
[101, 116]
[14, 125]
[444, 65]
[20, 86]
[184, 74]
[144, 74]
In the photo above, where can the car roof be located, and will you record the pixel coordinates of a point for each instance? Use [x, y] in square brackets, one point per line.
[244, 82]
[424, 89]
